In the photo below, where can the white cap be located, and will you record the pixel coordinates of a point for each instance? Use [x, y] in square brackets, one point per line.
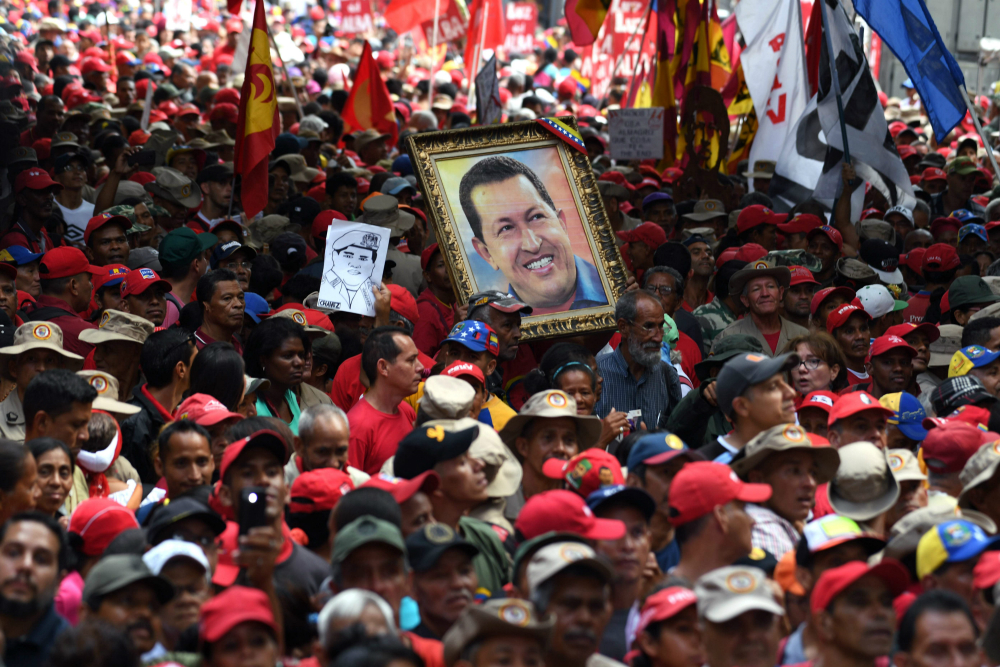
[877, 300]
[167, 550]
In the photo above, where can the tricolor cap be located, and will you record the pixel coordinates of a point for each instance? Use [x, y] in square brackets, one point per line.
[973, 356]
[505, 303]
[702, 486]
[908, 414]
[111, 276]
[952, 542]
[664, 605]
[475, 335]
[853, 403]
[586, 472]
[835, 581]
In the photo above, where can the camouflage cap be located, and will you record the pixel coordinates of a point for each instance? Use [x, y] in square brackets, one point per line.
[854, 269]
[118, 327]
[125, 211]
[157, 211]
[266, 229]
[726, 348]
[791, 258]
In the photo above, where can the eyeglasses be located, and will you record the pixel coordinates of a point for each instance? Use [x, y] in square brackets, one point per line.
[232, 265]
[811, 364]
[648, 327]
[663, 290]
[74, 166]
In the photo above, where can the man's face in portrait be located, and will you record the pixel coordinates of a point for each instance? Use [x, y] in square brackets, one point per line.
[353, 264]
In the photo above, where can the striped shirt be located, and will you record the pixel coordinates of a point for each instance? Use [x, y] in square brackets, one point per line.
[655, 394]
[771, 532]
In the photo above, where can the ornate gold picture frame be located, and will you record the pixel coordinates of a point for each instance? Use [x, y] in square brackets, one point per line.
[517, 209]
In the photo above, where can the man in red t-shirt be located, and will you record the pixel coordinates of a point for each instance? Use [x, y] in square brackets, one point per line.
[381, 419]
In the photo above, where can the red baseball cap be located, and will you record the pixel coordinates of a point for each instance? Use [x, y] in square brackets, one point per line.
[830, 233]
[459, 368]
[94, 65]
[425, 256]
[319, 490]
[138, 138]
[800, 275]
[906, 151]
[802, 223]
[266, 439]
[228, 95]
[986, 573]
[204, 410]
[110, 273]
[139, 280]
[403, 302]
[887, 342]
[871, 213]
[188, 110]
[34, 179]
[403, 489]
[648, 183]
[839, 317]
[663, 605]
[231, 607]
[821, 296]
[973, 415]
[752, 216]
[824, 400]
[64, 262]
[933, 174]
[565, 512]
[323, 221]
[904, 330]
[940, 257]
[234, 25]
[98, 521]
[950, 445]
[914, 260]
[649, 233]
[225, 111]
[833, 582]
[586, 472]
[854, 402]
[701, 486]
[102, 219]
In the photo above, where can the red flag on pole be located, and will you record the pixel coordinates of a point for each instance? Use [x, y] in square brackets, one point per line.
[258, 125]
[486, 31]
[369, 106]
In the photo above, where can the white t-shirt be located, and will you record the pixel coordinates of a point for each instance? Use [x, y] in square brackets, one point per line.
[76, 221]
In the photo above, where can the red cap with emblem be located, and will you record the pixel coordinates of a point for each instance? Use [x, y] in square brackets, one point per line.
[204, 410]
[839, 317]
[853, 403]
[586, 472]
[464, 368]
[753, 216]
[319, 490]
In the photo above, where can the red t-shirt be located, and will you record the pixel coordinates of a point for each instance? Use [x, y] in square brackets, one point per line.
[375, 434]
[916, 308]
[347, 389]
[436, 320]
[431, 650]
[772, 339]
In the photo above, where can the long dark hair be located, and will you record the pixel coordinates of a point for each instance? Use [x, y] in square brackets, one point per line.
[267, 337]
[218, 371]
[558, 359]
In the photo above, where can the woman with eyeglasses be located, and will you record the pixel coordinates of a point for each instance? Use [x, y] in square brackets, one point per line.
[822, 366]
[277, 350]
[572, 369]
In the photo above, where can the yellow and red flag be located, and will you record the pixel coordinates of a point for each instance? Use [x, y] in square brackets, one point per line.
[585, 18]
[369, 106]
[258, 124]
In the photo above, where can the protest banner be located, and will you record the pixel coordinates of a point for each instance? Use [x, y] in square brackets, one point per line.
[355, 16]
[522, 20]
[600, 58]
[636, 134]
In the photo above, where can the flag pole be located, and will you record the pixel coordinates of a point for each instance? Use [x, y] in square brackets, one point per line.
[434, 44]
[982, 135]
[295, 95]
[482, 36]
[835, 79]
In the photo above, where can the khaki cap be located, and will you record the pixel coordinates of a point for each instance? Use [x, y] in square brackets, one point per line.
[297, 166]
[383, 211]
[264, 230]
[107, 393]
[992, 310]
[727, 592]
[944, 347]
[783, 438]
[612, 189]
[447, 397]
[503, 472]
[118, 326]
[707, 209]
[979, 469]
[61, 139]
[706, 233]
[904, 466]
[443, 102]
[299, 318]
[39, 336]
[287, 104]
[175, 187]
[506, 617]
[864, 486]
[905, 534]
[552, 559]
[362, 139]
[873, 228]
[553, 404]
[220, 138]
[761, 169]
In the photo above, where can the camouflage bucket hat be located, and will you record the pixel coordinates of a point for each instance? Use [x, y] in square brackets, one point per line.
[791, 258]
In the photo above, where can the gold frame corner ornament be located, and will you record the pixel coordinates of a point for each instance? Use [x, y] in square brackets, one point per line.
[427, 147]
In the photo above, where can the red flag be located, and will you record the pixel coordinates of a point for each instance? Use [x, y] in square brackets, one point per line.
[258, 125]
[369, 105]
[814, 44]
[486, 15]
[234, 6]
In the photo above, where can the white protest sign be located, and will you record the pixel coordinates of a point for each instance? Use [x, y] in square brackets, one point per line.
[353, 264]
[636, 134]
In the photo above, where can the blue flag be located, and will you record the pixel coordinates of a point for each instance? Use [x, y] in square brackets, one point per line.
[908, 29]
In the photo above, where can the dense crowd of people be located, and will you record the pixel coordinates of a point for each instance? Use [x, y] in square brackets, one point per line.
[787, 452]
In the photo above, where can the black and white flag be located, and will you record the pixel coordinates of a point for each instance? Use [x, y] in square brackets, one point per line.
[488, 108]
[812, 155]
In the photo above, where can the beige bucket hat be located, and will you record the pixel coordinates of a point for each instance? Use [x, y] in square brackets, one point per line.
[39, 336]
[553, 404]
[118, 326]
[107, 393]
[785, 438]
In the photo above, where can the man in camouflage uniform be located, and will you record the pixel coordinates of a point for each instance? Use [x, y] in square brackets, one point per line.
[722, 310]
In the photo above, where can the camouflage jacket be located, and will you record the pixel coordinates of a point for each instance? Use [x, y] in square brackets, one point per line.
[713, 317]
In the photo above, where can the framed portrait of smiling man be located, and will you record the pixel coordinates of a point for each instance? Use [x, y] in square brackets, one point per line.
[516, 209]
